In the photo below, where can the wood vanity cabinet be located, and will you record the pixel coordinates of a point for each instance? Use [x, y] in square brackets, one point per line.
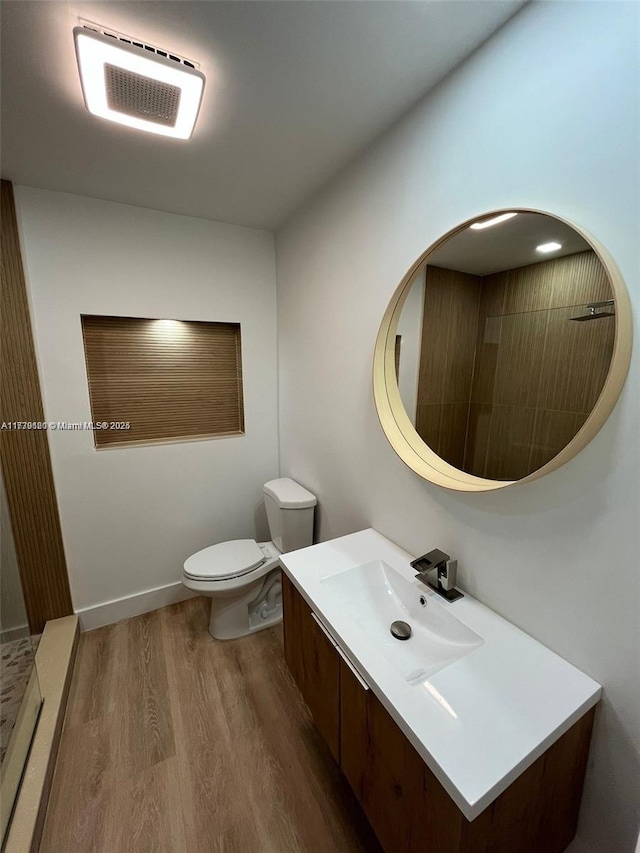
[407, 807]
[314, 664]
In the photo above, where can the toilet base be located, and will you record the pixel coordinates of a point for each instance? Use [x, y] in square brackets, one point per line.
[260, 607]
[259, 623]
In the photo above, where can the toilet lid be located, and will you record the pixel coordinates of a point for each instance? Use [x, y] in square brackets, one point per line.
[224, 560]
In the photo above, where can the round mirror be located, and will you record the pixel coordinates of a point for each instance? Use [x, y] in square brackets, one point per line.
[502, 351]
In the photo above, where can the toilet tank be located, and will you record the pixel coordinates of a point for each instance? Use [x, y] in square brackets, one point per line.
[290, 508]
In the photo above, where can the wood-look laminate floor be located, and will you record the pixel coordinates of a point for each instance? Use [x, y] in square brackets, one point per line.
[176, 742]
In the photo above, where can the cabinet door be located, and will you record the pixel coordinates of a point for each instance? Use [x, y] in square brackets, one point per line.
[383, 769]
[354, 738]
[314, 663]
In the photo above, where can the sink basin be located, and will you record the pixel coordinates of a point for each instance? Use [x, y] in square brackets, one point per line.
[374, 595]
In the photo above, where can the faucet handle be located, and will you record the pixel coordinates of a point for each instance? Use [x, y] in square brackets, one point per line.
[448, 575]
[430, 561]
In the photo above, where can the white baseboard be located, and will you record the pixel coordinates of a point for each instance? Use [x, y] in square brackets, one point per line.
[132, 605]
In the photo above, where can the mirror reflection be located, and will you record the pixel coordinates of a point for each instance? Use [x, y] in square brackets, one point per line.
[504, 343]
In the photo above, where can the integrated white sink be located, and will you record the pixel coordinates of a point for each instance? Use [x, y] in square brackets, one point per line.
[494, 699]
[374, 595]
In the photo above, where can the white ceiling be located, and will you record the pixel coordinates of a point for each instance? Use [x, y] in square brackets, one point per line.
[507, 245]
[294, 90]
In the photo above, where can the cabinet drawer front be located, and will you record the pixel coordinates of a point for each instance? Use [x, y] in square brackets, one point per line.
[314, 664]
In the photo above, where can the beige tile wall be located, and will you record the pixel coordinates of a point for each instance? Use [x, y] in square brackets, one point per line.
[449, 331]
[537, 374]
[506, 380]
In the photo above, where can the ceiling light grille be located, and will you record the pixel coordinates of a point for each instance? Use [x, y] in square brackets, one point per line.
[137, 85]
[142, 97]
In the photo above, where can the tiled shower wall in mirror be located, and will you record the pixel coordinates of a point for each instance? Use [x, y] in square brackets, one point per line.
[480, 402]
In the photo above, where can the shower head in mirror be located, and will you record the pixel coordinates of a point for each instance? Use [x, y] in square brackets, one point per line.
[596, 315]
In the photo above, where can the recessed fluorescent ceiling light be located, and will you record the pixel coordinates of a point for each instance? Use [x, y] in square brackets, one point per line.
[487, 223]
[548, 247]
[137, 85]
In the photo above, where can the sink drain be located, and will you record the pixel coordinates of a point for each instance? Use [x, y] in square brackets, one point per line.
[400, 630]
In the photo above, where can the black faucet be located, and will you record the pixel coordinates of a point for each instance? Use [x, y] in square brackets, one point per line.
[438, 571]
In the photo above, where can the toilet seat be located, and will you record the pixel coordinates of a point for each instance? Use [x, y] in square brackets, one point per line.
[225, 561]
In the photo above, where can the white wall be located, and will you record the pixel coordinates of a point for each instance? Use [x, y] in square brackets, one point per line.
[131, 516]
[543, 115]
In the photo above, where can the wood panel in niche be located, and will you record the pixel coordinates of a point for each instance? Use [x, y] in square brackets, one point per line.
[163, 380]
[24, 453]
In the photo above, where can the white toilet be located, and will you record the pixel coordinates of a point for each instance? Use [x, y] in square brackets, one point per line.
[243, 576]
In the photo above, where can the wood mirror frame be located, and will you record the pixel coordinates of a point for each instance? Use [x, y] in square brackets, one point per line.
[397, 425]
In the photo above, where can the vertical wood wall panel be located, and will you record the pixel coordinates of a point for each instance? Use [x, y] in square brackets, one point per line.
[24, 453]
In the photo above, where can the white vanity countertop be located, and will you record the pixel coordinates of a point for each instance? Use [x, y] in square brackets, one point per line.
[482, 720]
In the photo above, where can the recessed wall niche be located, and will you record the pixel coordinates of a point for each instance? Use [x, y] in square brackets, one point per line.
[158, 380]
